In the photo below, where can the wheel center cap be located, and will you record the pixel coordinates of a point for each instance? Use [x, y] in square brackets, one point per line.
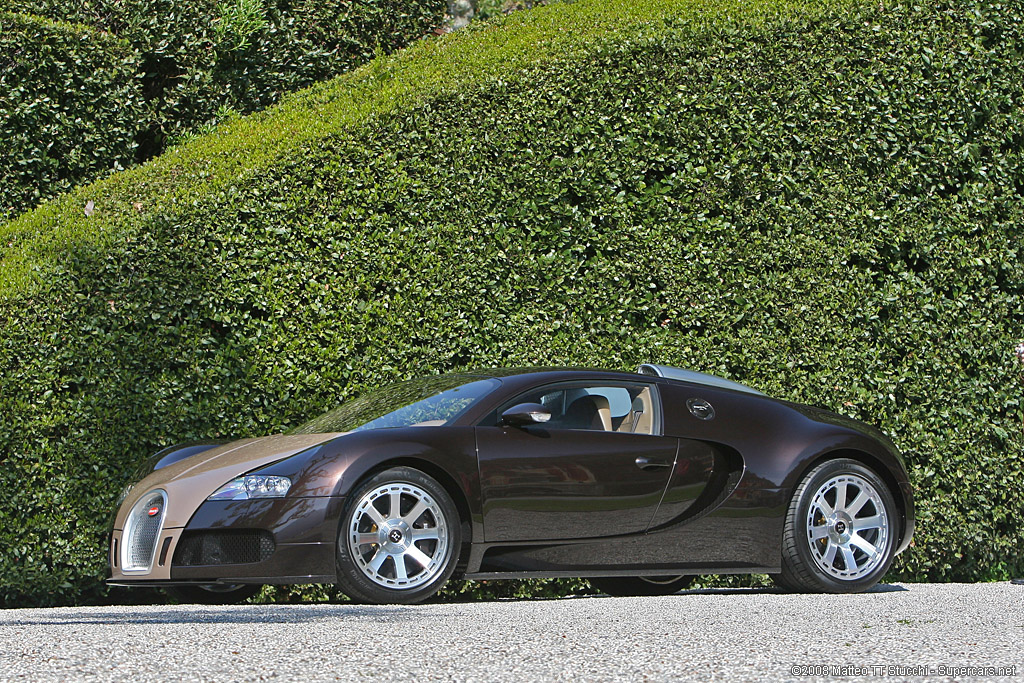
[395, 536]
[840, 528]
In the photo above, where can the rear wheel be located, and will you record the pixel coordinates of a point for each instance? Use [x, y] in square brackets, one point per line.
[841, 530]
[214, 593]
[399, 538]
[625, 586]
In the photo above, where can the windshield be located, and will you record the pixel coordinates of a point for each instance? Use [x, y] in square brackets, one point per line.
[429, 402]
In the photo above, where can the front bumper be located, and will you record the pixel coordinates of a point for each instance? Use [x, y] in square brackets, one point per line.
[295, 543]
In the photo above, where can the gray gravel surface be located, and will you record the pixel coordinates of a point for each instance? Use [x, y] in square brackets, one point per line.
[740, 634]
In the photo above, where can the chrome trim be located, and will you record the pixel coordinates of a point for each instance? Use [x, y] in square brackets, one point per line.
[130, 559]
[694, 377]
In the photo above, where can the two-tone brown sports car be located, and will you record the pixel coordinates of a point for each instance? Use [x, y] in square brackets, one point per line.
[636, 481]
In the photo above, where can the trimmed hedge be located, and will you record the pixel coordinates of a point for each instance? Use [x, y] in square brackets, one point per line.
[243, 54]
[69, 108]
[195, 66]
[820, 201]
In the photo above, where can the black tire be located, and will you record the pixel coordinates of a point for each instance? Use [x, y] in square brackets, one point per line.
[780, 582]
[627, 586]
[381, 551]
[213, 594]
[849, 550]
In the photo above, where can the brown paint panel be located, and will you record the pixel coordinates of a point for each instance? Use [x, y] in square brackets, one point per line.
[690, 477]
[157, 573]
[191, 481]
[740, 538]
[290, 520]
[549, 484]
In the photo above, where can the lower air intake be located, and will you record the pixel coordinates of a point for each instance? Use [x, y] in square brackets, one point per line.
[240, 546]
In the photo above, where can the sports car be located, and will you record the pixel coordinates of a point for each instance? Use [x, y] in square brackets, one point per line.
[635, 481]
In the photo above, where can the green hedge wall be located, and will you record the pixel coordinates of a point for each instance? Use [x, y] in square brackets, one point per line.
[821, 201]
[69, 108]
[196, 64]
[243, 54]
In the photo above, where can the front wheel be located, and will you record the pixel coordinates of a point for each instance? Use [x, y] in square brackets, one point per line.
[841, 530]
[627, 586]
[399, 538]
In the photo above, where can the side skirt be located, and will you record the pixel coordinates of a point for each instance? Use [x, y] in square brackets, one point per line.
[277, 580]
[667, 571]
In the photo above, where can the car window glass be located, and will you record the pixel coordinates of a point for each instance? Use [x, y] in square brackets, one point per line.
[628, 409]
[430, 402]
[619, 400]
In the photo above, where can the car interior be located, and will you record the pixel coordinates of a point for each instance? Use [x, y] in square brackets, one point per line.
[628, 409]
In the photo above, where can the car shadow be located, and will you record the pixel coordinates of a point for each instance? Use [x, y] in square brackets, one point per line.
[877, 588]
[761, 590]
[204, 614]
[142, 615]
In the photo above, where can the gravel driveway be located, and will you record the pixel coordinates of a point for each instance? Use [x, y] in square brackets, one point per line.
[752, 634]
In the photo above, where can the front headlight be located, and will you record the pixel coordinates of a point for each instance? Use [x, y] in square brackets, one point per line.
[253, 486]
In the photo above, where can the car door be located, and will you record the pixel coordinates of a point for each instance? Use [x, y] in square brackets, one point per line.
[598, 468]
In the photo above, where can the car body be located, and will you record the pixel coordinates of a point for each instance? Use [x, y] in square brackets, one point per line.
[635, 480]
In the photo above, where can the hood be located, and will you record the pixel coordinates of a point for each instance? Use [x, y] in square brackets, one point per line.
[189, 482]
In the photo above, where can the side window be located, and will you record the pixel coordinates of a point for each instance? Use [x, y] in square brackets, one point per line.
[626, 408]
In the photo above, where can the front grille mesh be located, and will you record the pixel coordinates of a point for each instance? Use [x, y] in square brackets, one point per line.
[141, 532]
[238, 546]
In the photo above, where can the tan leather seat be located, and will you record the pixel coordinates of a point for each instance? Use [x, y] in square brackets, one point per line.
[641, 415]
[604, 412]
[589, 412]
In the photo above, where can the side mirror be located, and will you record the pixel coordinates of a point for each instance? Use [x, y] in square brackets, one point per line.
[525, 414]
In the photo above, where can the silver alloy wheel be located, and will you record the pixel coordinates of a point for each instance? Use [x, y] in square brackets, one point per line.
[847, 527]
[398, 536]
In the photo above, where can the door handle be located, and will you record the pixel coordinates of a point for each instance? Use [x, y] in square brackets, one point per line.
[648, 464]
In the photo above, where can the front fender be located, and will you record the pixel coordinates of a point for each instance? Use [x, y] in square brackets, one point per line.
[881, 457]
[335, 467]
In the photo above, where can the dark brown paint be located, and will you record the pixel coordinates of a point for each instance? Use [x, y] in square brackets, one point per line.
[549, 484]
